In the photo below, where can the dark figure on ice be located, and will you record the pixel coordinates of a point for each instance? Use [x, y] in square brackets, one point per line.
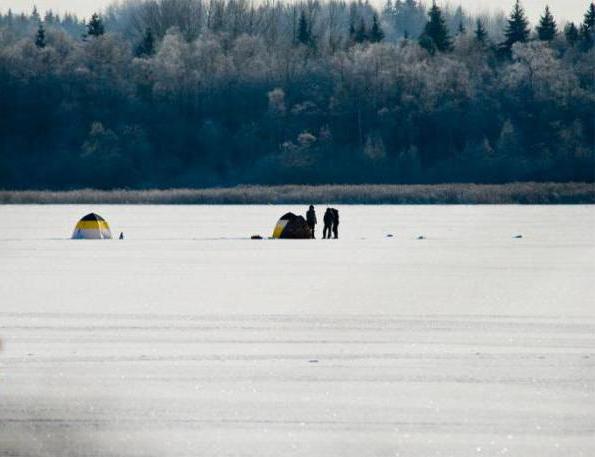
[121, 235]
[311, 220]
[335, 222]
[328, 224]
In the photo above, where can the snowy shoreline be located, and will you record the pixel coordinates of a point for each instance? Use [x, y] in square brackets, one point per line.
[511, 193]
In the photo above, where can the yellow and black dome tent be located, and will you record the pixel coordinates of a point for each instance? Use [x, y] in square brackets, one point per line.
[291, 226]
[92, 227]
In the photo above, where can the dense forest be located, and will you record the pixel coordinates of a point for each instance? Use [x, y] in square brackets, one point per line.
[172, 93]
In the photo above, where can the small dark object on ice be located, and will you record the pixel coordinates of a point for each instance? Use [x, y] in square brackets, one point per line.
[313, 361]
[256, 237]
[421, 237]
[390, 235]
[518, 237]
[121, 235]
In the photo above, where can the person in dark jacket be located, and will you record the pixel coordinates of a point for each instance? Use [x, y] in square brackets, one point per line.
[311, 220]
[335, 222]
[328, 224]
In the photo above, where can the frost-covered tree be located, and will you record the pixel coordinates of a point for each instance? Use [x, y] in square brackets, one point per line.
[536, 69]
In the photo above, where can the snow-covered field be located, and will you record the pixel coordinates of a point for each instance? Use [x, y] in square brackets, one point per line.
[188, 339]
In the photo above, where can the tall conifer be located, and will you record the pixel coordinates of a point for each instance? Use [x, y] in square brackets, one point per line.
[40, 37]
[547, 28]
[517, 29]
[589, 22]
[480, 32]
[461, 30]
[376, 32]
[587, 30]
[436, 31]
[303, 30]
[361, 34]
[95, 27]
[571, 34]
[147, 45]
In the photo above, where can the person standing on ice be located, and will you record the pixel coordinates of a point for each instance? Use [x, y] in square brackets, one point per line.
[335, 223]
[311, 220]
[328, 224]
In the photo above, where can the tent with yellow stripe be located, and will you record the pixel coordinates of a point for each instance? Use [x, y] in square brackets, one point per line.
[291, 226]
[92, 227]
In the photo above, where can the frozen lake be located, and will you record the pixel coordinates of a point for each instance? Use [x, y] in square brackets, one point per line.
[189, 339]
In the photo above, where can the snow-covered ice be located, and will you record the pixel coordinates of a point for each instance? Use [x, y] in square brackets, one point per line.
[190, 339]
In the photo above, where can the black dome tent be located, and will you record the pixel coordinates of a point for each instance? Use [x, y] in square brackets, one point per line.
[291, 226]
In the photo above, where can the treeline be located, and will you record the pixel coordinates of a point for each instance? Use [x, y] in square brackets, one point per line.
[201, 93]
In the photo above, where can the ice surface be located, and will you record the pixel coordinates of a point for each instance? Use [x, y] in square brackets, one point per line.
[189, 339]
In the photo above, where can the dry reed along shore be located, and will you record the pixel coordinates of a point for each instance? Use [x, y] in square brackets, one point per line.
[514, 193]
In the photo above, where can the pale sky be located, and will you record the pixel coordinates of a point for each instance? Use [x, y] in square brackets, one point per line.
[562, 9]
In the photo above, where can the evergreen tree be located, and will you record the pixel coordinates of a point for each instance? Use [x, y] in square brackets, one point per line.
[147, 46]
[303, 30]
[95, 27]
[410, 15]
[587, 30]
[461, 30]
[351, 31]
[480, 32]
[517, 29]
[376, 32]
[40, 37]
[457, 20]
[586, 38]
[388, 9]
[547, 28]
[571, 34]
[510, 143]
[50, 17]
[589, 22]
[361, 34]
[35, 15]
[436, 31]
